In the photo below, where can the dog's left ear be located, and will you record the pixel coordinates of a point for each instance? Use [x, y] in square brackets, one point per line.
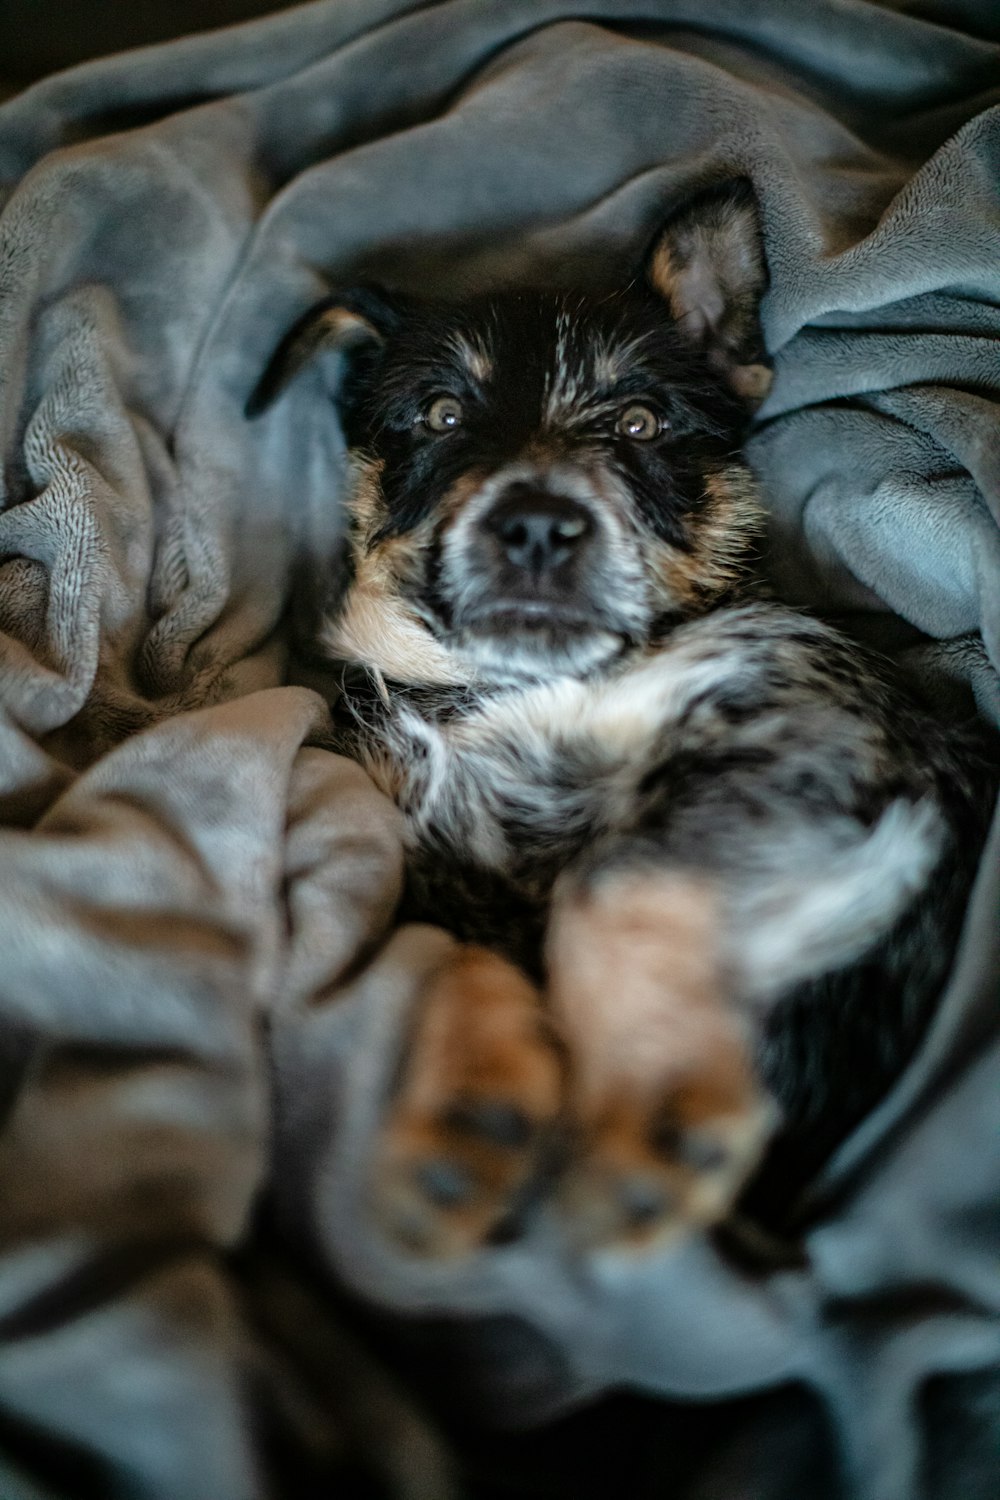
[709, 266]
[351, 323]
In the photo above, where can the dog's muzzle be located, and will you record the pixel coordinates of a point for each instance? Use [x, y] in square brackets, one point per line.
[537, 575]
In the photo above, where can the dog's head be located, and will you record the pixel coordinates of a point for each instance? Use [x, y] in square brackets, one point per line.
[541, 482]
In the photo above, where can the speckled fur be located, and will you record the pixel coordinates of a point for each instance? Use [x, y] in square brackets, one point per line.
[645, 717]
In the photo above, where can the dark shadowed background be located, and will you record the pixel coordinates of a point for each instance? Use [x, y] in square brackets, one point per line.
[40, 36]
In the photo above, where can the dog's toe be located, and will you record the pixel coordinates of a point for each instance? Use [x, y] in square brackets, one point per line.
[466, 1130]
[650, 1168]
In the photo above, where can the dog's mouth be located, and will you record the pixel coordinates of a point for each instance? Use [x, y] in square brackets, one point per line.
[498, 616]
[515, 638]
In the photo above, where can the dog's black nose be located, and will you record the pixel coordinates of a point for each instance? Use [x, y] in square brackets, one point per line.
[538, 531]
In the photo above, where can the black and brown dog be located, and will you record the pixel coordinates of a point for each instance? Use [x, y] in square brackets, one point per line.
[698, 837]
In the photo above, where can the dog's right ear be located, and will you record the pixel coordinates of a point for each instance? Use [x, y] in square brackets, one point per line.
[349, 323]
[708, 265]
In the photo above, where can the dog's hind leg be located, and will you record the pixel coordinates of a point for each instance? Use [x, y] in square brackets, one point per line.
[670, 962]
[669, 1114]
[480, 1089]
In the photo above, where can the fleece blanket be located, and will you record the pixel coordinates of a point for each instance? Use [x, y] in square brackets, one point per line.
[202, 991]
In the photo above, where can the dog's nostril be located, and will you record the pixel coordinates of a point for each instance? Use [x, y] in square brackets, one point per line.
[514, 533]
[539, 531]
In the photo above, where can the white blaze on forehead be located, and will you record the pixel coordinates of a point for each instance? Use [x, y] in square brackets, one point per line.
[473, 356]
[613, 359]
[608, 365]
[562, 384]
[585, 366]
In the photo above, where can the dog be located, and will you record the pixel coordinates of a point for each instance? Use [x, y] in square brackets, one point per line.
[707, 860]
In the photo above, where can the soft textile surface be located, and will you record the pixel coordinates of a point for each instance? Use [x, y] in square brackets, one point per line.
[200, 990]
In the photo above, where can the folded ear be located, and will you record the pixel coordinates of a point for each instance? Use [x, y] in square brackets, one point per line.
[347, 323]
[709, 266]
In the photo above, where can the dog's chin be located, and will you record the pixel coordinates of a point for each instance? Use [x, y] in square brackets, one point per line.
[513, 643]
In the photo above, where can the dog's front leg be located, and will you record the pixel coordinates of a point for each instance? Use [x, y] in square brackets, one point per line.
[480, 1087]
[669, 1114]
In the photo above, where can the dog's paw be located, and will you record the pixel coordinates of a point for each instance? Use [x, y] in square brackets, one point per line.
[668, 1113]
[666, 1160]
[467, 1126]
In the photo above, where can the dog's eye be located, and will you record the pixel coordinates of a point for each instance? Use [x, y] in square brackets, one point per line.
[640, 423]
[444, 414]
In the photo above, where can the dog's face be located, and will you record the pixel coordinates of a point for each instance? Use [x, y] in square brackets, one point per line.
[540, 482]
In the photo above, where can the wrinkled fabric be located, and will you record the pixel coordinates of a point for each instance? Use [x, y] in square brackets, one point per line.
[202, 993]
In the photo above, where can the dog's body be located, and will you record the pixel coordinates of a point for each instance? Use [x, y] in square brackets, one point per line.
[755, 746]
[733, 852]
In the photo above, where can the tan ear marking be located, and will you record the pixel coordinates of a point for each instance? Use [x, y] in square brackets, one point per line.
[343, 328]
[709, 267]
[327, 327]
[334, 328]
[752, 382]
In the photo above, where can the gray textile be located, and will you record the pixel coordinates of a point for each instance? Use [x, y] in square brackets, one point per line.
[201, 995]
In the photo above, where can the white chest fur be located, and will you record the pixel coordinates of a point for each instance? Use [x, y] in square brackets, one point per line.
[559, 760]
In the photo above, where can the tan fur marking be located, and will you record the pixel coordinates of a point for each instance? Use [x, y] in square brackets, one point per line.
[663, 273]
[376, 630]
[466, 486]
[709, 267]
[723, 534]
[479, 1042]
[333, 328]
[635, 977]
[376, 626]
[364, 494]
[752, 382]
[638, 987]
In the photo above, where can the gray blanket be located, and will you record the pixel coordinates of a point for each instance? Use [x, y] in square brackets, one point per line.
[201, 990]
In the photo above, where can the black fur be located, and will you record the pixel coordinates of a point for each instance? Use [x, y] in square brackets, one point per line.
[767, 751]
